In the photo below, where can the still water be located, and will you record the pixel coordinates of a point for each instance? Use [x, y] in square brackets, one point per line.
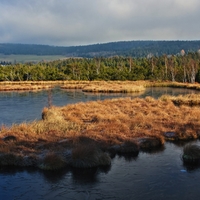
[150, 175]
[158, 175]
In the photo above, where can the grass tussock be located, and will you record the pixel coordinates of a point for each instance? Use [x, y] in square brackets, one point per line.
[114, 87]
[51, 161]
[105, 86]
[195, 86]
[189, 100]
[191, 154]
[87, 156]
[10, 159]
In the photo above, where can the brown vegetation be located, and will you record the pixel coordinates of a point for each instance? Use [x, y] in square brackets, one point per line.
[195, 86]
[93, 86]
[25, 85]
[88, 155]
[51, 161]
[105, 86]
[190, 99]
[123, 86]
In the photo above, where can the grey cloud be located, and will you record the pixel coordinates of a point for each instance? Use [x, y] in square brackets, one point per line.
[76, 22]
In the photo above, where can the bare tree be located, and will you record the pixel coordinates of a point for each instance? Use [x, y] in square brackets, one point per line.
[192, 69]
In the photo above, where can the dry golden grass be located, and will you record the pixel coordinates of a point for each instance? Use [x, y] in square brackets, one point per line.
[93, 86]
[18, 86]
[117, 120]
[89, 86]
[112, 121]
[122, 86]
[190, 99]
[105, 86]
[172, 84]
[114, 87]
[30, 82]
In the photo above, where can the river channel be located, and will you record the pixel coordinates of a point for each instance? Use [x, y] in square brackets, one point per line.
[151, 175]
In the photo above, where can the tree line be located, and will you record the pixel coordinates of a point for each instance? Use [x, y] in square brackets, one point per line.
[184, 67]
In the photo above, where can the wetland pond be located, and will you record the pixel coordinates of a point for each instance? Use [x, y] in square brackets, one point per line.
[152, 175]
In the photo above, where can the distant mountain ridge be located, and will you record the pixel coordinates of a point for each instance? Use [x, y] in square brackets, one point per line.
[122, 48]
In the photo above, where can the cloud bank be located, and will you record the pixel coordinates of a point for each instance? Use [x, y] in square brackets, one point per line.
[81, 22]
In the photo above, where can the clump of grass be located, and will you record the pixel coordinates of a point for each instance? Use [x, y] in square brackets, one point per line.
[171, 84]
[20, 86]
[127, 148]
[87, 156]
[191, 154]
[114, 87]
[149, 143]
[105, 86]
[52, 161]
[131, 147]
[10, 159]
[189, 100]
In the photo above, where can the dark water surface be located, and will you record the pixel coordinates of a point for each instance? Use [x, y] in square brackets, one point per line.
[151, 175]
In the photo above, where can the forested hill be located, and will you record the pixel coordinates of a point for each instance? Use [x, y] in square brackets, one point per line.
[124, 48]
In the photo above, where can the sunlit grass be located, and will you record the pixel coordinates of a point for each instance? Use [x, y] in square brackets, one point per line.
[112, 121]
[189, 99]
[93, 86]
[25, 85]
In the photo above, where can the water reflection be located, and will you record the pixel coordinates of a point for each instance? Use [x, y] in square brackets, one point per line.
[85, 176]
[54, 177]
[154, 151]
[191, 167]
[127, 157]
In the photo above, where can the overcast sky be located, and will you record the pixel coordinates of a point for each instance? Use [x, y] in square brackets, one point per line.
[82, 22]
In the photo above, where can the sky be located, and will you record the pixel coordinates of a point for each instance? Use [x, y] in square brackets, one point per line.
[83, 22]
